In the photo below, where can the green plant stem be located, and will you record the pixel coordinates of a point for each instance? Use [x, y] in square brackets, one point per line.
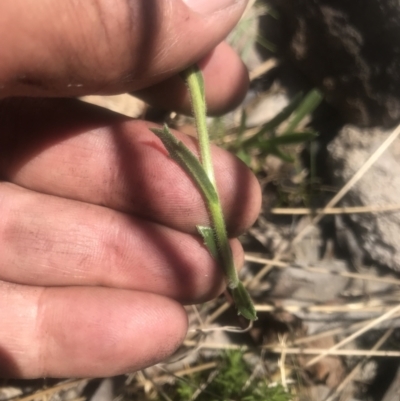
[215, 237]
[195, 83]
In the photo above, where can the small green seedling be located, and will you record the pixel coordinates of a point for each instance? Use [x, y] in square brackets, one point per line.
[266, 142]
[232, 379]
[202, 173]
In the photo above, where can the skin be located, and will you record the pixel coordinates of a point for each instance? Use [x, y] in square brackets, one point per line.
[97, 228]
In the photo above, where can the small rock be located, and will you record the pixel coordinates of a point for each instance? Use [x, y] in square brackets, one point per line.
[377, 233]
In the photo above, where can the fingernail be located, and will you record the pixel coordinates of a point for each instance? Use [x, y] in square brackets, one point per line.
[210, 6]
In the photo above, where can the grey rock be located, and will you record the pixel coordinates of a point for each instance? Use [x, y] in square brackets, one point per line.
[378, 233]
[349, 49]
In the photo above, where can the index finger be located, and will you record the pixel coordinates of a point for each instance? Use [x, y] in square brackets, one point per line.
[78, 151]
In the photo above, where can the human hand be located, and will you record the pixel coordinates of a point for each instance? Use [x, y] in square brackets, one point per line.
[97, 231]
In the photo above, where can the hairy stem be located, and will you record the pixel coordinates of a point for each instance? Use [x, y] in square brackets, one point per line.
[215, 237]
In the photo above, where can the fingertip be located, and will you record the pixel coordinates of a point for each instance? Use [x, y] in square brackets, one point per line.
[95, 332]
[226, 79]
[226, 82]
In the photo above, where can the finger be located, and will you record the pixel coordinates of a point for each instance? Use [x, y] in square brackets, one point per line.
[74, 48]
[84, 332]
[50, 241]
[226, 80]
[78, 151]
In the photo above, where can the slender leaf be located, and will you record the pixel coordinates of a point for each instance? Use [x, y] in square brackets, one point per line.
[208, 235]
[307, 106]
[276, 121]
[188, 161]
[243, 302]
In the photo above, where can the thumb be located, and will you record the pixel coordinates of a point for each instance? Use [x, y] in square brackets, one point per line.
[72, 48]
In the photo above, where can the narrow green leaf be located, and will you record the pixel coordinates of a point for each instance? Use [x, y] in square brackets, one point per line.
[243, 302]
[208, 235]
[274, 150]
[276, 121]
[307, 106]
[266, 44]
[244, 156]
[242, 126]
[292, 138]
[188, 161]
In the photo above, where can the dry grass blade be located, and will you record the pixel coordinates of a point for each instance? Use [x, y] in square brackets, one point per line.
[224, 307]
[227, 329]
[333, 332]
[220, 346]
[268, 266]
[297, 351]
[336, 210]
[196, 369]
[183, 372]
[281, 361]
[211, 377]
[47, 393]
[263, 68]
[359, 276]
[345, 308]
[353, 336]
[156, 386]
[338, 352]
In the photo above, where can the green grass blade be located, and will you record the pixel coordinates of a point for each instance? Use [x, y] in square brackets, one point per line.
[290, 139]
[188, 161]
[243, 302]
[307, 106]
[276, 121]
